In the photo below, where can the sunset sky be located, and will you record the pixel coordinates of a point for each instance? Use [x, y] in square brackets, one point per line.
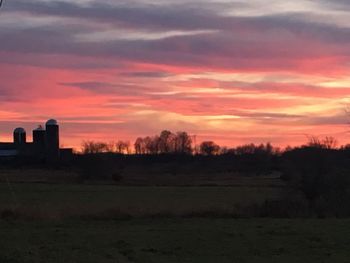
[229, 71]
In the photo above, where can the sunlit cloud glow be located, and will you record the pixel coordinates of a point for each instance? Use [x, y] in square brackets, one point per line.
[231, 71]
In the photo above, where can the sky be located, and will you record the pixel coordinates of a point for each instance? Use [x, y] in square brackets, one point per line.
[232, 71]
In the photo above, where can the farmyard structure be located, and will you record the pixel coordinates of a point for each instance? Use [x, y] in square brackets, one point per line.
[45, 144]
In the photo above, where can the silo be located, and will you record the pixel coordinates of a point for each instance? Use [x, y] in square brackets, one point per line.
[52, 140]
[39, 139]
[19, 136]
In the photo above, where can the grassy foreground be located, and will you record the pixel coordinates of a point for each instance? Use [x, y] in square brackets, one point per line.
[75, 223]
[57, 201]
[175, 240]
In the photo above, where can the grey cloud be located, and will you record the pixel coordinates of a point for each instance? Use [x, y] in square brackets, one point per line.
[99, 87]
[233, 47]
[5, 95]
[150, 74]
[336, 4]
[172, 16]
[340, 119]
[111, 89]
[189, 16]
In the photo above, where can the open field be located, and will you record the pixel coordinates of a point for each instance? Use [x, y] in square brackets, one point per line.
[73, 223]
[70, 200]
[176, 240]
[142, 176]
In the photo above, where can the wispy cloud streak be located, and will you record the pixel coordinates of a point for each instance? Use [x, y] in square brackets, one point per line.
[233, 71]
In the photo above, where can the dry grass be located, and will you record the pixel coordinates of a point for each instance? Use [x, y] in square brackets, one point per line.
[109, 201]
[175, 240]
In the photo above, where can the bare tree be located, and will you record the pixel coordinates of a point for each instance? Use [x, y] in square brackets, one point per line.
[122, 147]
[139, 146]
[92, 147]
[166, 142]
[328, 142]
[128, 147]
[209, 148]
[110, 147]
[151, 144]
[183, 143]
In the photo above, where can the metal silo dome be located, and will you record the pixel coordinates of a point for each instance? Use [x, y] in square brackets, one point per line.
[39, 128]
[51, 122]
[19, 136]
[19, 130]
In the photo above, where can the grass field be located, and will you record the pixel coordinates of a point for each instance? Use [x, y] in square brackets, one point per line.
[75, 223]
[142, 176]
[176, 240]
[60, 201]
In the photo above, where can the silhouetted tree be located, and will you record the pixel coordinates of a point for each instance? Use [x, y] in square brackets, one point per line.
[152, 144]
[330, 142]
[147, 145]
[245, 149]
[224, 150]
[139, 146]
[266, 149]
[110, 147]
[326, 143]
[92, 147]
[209, 148]
[122, 147]
[166, 142]
[183, 143]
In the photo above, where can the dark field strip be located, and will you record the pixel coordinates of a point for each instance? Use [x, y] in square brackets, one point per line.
[143, 176]
[176, 240]
[62, 201]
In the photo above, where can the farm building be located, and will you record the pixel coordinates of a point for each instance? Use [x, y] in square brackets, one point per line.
[45, 144]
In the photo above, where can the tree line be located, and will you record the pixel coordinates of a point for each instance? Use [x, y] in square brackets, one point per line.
[166, 142]
[181, 142]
